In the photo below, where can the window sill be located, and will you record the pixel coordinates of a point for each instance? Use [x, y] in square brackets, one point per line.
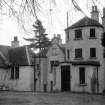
[92, 38]
[85, 84]
[92, 57]
[78, 58]
[78, 39]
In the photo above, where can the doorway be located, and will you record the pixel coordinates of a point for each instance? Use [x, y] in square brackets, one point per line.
[65, 78]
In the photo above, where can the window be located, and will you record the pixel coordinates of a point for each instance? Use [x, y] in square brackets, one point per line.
[78, 34]
[54, 52]
[92, 52]
[15, 72]
[82, 75]
[68, 54]
[53, 64]
[78, 53]
[37, 66]
[92, 33]
[67, 35]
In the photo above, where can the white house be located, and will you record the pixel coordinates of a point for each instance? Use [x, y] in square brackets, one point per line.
[78, 65]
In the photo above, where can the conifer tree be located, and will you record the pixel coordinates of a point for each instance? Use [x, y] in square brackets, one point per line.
[40, 40]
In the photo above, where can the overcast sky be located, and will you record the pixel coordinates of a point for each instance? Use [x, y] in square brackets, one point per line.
[55, 21]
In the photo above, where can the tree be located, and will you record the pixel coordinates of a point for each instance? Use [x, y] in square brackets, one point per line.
[40, 40]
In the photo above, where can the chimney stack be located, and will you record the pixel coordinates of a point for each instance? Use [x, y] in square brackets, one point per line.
[15, 42]
[95, 13]
[57, 39]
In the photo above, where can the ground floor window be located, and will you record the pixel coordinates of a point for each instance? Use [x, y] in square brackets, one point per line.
[82, 75]
[14, 72]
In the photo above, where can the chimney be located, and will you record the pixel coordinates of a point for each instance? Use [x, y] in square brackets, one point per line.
[95, 13]
[15, 42]
[103, 19]
[57, 39]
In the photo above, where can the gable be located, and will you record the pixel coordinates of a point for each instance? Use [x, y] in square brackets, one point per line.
[55, 51]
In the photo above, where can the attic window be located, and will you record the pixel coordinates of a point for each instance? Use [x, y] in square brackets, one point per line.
[78, 34]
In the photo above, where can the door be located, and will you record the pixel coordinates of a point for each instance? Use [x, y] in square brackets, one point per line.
[65, 78]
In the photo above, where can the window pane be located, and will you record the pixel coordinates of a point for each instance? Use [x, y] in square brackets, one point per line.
[92, 52]
[78, 53]
[68, 54]
[67, 35]
[78, 34]
[92, 32]
[82, 75]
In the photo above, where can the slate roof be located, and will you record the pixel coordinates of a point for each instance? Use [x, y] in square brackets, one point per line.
[4, 57]
[84, 22]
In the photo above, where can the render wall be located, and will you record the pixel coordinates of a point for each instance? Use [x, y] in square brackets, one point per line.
[86, 43]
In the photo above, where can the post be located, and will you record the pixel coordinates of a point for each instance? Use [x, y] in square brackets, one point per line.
[97, 82]
[34, 76]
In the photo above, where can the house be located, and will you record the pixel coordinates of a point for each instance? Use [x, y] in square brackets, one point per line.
[16, 67]
[78, 65]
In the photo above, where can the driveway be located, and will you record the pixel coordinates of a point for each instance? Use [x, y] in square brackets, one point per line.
[29, 98]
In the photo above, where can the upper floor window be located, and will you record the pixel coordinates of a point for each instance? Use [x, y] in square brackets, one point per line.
[67, 35]
[82, 75]
[78, 53]
[92, 33]
[15, 72]
[68, 54]
[54, 52]
[92, 52]
[78, 34]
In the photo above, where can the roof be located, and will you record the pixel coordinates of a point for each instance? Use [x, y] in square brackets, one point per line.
[4, 57]
[92, 63]
[84, 22]
[19, 56]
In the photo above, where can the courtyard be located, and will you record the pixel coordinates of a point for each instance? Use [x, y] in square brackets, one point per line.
[29, 98]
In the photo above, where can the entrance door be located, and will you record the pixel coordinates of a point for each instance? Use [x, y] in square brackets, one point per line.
[65, 78]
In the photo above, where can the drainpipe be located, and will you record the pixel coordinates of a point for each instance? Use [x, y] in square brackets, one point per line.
[34, 76]
[97, 81]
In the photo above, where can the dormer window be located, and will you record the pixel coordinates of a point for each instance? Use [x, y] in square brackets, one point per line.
[92, 33]
[78, 34]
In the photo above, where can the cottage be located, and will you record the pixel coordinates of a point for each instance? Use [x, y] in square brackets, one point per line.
[16, 68]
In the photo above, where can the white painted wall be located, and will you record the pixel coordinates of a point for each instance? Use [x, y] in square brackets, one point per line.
[24, 83]
[86, 43]
[51, 75]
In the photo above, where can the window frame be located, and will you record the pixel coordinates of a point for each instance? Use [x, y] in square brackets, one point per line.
[92, 33]
[78, 55]
[68, 54]
[82, 76]
[78, 34]
[92, 53]
[14, 73]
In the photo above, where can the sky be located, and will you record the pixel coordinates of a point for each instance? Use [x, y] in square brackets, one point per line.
[55, 21]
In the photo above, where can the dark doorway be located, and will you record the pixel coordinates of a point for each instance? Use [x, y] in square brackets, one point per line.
[65, 78]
